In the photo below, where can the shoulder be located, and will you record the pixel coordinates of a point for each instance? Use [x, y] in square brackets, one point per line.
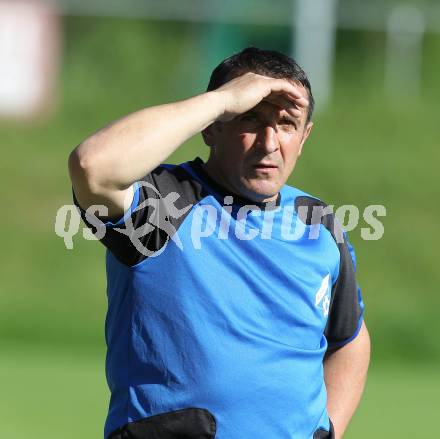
[294, 194]
[311, 210]
[304, 202]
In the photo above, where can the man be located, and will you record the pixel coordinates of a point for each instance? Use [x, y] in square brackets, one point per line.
[222, 322]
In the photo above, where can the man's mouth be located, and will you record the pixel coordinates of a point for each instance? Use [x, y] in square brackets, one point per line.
[265, 166]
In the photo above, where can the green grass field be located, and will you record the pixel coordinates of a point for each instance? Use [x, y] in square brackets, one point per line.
[364, 150]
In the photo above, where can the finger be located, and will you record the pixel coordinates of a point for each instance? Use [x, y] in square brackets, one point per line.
[294, 92]
[292, 106]
[279, 100]
[295, 112]
[286, 105]
[298, 99]
[300, 102]
[284, 86]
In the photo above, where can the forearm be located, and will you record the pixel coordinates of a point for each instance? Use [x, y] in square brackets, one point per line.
[345, 372]
[124, 151]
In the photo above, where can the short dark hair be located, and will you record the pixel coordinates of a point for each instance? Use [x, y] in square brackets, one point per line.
[262, 62]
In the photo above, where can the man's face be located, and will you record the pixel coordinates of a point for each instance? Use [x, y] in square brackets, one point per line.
[254, 154]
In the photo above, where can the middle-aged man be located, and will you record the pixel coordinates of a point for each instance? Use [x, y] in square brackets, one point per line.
[234, 312]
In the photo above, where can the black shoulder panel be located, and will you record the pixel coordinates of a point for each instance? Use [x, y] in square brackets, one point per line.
[309, 209]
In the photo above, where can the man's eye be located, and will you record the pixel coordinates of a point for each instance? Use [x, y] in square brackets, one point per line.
[287, 124]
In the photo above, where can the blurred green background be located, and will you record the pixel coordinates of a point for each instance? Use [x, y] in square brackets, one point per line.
[365, 149]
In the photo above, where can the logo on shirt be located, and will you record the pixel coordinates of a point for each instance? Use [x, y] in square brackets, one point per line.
[322, 298]
[161, 211]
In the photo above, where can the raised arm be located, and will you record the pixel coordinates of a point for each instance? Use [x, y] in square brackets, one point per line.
[104, 166]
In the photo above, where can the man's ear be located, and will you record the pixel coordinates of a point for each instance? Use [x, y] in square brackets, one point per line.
[307, 130]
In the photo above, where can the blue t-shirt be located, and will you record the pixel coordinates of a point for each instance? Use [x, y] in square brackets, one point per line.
[221, 310]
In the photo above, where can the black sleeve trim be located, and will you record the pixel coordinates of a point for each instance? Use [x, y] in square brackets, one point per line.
[346, 307]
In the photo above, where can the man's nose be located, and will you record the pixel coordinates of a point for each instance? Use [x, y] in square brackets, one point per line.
[269, 139]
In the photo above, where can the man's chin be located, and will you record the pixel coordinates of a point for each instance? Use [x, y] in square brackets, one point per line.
[262, 191]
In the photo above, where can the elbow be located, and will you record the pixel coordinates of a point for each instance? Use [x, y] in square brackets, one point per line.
[76, 164]
[80, 159]
[82, 168]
